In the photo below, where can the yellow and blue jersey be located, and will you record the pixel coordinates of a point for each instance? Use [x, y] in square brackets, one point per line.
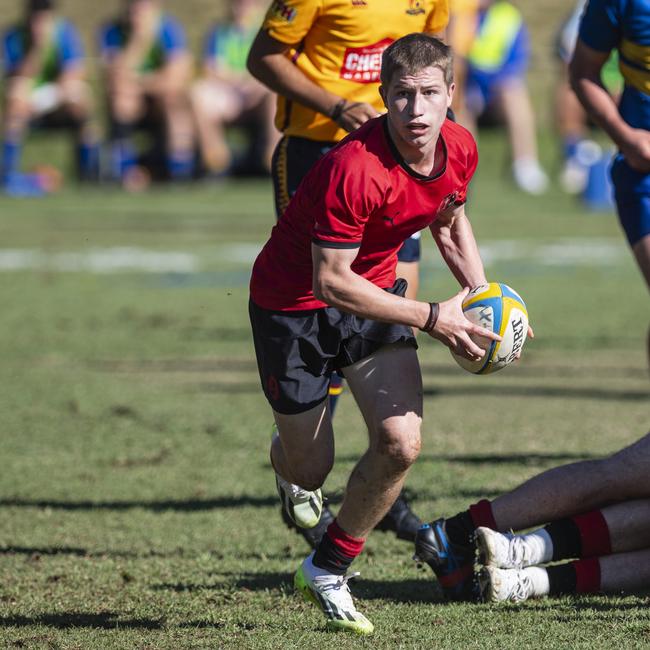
[624, 25]
[63, 52]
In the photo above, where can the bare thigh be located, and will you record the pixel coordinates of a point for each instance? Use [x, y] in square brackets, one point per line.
[387, 387]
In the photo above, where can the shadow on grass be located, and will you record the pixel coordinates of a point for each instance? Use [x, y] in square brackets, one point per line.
[423, 590]
[190, 505]
[67, 621]
[495, 459]
[543, 392]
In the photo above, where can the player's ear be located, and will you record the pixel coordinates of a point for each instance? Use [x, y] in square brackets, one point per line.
[450, 93]
[382, 92]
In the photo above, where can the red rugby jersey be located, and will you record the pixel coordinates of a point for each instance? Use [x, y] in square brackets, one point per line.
[359, 195]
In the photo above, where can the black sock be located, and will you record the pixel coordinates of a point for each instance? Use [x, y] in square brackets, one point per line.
[562, 579]
[460, 529]
[327, 556]
[565, 536]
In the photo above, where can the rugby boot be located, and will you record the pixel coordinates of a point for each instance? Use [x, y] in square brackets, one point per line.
[452, 563]
[506, 585]
[331, 594]
[509, 551]
[313, 535]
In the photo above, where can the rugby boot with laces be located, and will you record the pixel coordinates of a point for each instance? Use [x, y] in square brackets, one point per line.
[506, 585]
[312, 535]
[331, 594]
[303, 507]
[452, 563]
[509, 551]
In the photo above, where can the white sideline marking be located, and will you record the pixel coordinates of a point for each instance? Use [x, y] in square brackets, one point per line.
[568, 252]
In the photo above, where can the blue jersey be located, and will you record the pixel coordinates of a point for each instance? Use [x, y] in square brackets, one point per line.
[624, 25]
[170, 40]
[64, 51]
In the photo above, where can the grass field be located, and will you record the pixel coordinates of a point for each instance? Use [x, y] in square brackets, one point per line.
[138, 508]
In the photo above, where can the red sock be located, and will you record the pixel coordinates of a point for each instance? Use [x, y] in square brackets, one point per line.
[348, 545]
[587, 575]
[337, 549]
[594, 534]
[481, 514]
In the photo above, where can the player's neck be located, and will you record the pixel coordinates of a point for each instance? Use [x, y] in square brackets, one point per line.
[425, 161]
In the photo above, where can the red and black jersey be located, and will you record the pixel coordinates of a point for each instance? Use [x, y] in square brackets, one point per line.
[359, 195]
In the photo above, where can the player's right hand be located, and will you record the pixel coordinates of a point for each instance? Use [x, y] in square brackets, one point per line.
[455, 331]
[637, 150]
[354, 114]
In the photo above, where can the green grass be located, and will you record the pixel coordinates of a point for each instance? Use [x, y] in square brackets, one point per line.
[137, 504]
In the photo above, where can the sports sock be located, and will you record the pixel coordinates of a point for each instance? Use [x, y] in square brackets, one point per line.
[579, 577]
[88, 161]
[582, 536]
[180, 166]
[11, 151]
[570, 146]
[337, 550]
[123, 154]
[335, 390]
[461, 528]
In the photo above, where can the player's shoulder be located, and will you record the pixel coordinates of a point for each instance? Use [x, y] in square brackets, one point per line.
[367, 143]
[457, 137]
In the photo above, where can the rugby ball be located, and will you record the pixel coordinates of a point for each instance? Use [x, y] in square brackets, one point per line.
[499, 308]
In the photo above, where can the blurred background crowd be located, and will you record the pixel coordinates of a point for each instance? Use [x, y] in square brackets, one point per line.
[145, 99]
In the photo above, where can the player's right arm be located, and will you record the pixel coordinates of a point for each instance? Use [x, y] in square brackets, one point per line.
[585, 74]
[335, 283]
[268, 62]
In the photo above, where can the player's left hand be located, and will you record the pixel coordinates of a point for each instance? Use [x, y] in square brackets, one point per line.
[355, 114]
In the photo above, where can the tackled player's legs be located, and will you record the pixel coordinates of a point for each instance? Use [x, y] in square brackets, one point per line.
[575, 488]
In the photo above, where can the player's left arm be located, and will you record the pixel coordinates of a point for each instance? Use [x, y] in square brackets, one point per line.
[453, 234]
[585, 75]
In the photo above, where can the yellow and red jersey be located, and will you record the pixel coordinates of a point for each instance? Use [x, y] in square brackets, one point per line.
[338, 44]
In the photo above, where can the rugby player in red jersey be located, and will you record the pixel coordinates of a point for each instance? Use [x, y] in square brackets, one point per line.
[324, 298]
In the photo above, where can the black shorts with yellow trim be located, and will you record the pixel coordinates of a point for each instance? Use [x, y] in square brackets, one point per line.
[292, 159]
[297, 351]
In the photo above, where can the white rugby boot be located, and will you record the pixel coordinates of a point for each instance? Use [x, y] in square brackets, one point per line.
[512, 585]
[304, 507]
[331, 594]
[509, 551]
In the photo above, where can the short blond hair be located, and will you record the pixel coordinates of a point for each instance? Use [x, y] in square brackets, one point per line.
[415, 52]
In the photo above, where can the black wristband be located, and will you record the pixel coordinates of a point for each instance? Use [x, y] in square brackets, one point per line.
[337, 111]
[434, 308]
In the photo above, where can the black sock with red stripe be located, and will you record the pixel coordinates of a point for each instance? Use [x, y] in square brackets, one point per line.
[461, 528]
[582, 536]
[337, 550]
[580, 577]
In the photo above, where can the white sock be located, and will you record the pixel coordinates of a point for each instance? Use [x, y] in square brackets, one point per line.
[541, 545]
[539, 580]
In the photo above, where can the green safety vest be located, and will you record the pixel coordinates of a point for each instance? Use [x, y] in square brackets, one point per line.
[495, 37]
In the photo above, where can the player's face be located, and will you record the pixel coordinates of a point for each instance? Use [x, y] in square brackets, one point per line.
[417, 106]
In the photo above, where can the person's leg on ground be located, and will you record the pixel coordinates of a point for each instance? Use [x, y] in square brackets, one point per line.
[622, 572]
[447, 545]
[617, 528]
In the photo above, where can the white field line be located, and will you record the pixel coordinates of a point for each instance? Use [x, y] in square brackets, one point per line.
[569, 253]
